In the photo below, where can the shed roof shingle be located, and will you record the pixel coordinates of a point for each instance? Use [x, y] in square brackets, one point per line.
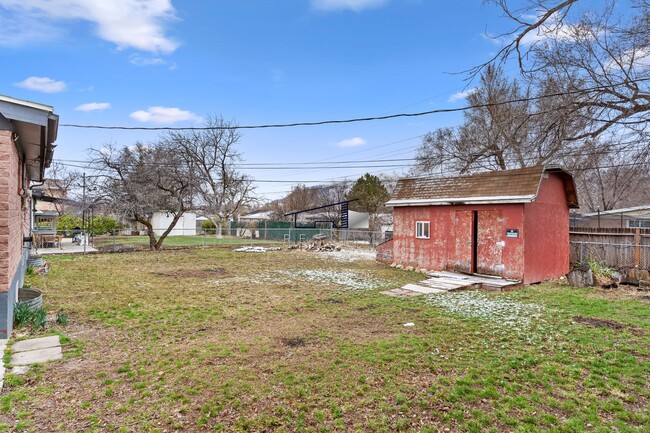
[506, 186]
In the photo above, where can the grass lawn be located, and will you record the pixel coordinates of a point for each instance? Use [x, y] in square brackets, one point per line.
[177, 241]
[212, 340]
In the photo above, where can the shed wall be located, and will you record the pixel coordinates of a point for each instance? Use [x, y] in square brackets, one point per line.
[546, 224]
[451, 231]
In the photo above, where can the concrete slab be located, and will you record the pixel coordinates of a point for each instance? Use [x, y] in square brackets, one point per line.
[36, 356]
[3, 344]
[35, 344]
[21, 369]
[422, 289]
[400, 293]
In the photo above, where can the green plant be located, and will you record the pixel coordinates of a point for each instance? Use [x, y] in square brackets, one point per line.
[30, 271]
[209, 227]
[22, 315]
[61, 319]
[599, 268]
[38, 318]
[25, 314]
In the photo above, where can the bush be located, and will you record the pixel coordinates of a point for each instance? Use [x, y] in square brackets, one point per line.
[100, 225]
[600, 269]
[209, 227]
[67, 223]
[97, 225]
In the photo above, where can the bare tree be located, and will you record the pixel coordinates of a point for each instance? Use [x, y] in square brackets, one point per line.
[60, 183]
[603, 58]
[600, 55]
[301, 197]
[141, 180]
[223, 191]
[608, 180]
[508, 126]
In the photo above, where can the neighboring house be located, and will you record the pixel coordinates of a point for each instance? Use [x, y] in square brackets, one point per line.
[27, 134]
[511, 223]
[53, 197]
[257, 216]
[631, 217]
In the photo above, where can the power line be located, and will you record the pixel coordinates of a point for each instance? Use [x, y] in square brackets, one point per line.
[358, 119]
[324, 165]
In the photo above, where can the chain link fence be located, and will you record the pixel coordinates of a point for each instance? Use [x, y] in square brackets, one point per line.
[621, 248]
[133, 239]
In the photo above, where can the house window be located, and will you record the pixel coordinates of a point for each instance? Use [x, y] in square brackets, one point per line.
[635, 224]
[422, 229]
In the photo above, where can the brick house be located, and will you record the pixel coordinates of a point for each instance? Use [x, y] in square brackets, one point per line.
[27, 133]
[511, 223]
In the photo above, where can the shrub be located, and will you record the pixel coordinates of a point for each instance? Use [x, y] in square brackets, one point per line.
[209, 227]
[102, 224]
[599, 268]
[67, 223]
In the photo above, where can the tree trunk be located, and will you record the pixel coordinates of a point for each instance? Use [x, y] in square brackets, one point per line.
[219, 227]
[169, 229]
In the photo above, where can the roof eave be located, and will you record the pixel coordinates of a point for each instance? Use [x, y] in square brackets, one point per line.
[461, 201]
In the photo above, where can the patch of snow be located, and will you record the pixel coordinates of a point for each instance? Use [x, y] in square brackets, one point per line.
[348, 256]
[348, 279]
[506, 316]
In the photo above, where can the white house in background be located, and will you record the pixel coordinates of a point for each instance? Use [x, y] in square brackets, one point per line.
[186, 225]
[631, 217]
[257, 216]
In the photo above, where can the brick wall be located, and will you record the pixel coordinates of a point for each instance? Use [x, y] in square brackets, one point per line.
[13, 213]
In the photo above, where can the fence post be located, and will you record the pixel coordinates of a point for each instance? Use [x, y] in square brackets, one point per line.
[637, 248]
[582, 252]
[115, 232]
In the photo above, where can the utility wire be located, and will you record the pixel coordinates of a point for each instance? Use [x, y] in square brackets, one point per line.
[359, 119]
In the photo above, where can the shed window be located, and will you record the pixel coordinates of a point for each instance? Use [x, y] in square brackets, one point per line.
[422, 229]
[643, 224]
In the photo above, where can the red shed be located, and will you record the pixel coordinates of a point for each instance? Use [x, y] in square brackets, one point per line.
[511, 223]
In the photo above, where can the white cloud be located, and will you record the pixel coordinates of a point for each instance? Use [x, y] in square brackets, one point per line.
[160, 114]
[353, 5]
[351, 142]
[138, 24]
[42, 84]
[461, 95]
[93, 106]
[23, 30]
[147, 61]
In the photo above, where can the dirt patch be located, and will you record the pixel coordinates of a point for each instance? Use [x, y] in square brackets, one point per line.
[294, 342]
[338, 301]
[117, 248]
[192, 273]
[604, 323]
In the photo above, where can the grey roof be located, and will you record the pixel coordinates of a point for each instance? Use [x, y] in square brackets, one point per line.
[35, 128]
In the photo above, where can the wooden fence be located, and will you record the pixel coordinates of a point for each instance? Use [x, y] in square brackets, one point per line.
[614, 247]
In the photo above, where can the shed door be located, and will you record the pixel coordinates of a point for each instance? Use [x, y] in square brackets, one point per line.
[488, 235]
[464, 223]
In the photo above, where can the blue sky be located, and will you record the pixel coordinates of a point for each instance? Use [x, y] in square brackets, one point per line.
[172, 63]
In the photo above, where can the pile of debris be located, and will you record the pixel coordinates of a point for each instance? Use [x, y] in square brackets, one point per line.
[316, 246]
[256, 249]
